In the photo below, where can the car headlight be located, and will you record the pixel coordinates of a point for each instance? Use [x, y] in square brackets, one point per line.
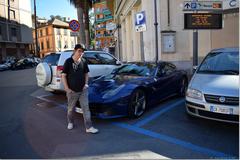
[114, 91]
[193, 93]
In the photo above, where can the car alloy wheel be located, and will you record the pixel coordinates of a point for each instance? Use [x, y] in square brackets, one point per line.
[137, 103]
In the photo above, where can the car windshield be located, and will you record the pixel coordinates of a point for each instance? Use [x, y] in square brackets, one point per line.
[136, 69]
[221, 63]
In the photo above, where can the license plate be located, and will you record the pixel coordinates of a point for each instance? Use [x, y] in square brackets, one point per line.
[221, 110]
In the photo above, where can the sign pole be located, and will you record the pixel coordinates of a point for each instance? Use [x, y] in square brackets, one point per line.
[195, 46]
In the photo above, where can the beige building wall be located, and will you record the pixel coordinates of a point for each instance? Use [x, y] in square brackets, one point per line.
[183, 55]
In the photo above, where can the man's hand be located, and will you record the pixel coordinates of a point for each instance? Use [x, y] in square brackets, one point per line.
[85, 86]
[68, 90]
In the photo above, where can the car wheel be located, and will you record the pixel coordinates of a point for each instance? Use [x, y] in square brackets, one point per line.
[183, 87]
[137, 104]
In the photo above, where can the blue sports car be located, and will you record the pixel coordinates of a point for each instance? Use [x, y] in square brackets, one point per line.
[133, 87]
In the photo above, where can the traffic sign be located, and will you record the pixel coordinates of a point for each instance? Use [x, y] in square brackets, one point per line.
[140, 22]
[202, 5]
[74, 25]
[202, 21]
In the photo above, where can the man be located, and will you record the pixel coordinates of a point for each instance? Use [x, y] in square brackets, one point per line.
[75, 80]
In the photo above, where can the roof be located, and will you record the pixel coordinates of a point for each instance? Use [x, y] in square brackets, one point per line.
[57, 22]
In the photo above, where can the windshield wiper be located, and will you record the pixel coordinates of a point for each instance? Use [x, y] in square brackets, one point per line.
[233, 72]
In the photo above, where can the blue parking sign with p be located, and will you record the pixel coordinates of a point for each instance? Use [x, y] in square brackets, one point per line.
[140, 18]
[140, 22]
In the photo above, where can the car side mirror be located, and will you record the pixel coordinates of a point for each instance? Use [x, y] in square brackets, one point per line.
[194, 69]
[118, 62]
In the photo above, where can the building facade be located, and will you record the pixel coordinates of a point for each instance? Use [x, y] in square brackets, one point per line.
[54, 36]
[15, 28]
[175, 43]
[104, 24]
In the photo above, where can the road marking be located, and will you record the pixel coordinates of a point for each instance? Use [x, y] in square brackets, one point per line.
[63, 106]
[188, 145]
[157, 114]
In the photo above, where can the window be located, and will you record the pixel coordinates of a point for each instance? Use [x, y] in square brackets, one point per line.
[51, 59]
[12, 14]
[48, 45]
[14, 32]
[46, 31]
[65, 32]
[166, 69]
[41, 33]
[42, 45]
[106, 59]
[59, 44]
[91, 58]
[229, 63]
[58, 31]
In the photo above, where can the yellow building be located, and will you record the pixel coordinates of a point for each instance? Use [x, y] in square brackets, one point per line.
[55, 36]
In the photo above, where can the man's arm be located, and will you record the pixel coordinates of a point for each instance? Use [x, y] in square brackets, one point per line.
[86, 80]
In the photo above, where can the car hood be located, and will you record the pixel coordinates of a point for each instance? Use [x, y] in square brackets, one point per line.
[227, 85]
[110, 82]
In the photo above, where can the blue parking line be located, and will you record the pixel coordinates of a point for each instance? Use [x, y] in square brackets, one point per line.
[155, 115]
[188, 145]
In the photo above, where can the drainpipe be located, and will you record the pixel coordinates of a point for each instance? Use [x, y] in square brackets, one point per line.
[36, 36]
[156, 30]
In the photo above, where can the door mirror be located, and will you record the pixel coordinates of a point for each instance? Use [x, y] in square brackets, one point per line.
[118, 62]
[194, 69]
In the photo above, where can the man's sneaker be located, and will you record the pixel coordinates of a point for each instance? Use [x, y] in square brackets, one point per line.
[70, 126]
[79, 110]
[92, 130]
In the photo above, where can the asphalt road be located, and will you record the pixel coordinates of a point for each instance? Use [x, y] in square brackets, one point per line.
[33, 125]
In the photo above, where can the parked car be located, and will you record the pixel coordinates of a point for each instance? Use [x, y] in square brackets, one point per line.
[23, 64]
[213, 92]
[48, 72]
[133, 87]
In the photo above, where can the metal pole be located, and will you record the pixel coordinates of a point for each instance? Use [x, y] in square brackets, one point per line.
[156, 29]
[195, 45]
[195, 48]
[36, 36]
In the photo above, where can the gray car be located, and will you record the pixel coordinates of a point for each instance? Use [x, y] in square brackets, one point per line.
[213, 92]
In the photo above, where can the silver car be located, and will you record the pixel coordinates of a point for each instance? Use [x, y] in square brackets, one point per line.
[213, 92]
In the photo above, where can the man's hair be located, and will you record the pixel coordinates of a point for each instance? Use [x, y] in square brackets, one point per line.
[79, 46]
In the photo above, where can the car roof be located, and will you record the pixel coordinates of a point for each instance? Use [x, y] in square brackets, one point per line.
[228, 49]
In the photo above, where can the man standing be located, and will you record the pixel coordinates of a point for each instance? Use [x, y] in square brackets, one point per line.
[75, 80]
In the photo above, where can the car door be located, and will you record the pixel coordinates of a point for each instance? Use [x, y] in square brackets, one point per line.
[165, 84]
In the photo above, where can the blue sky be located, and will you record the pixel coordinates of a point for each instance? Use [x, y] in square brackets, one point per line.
[46, 8]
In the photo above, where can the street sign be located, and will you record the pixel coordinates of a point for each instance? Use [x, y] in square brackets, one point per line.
[230, 4]
[74, 25]
[202, 5]
[202, 21]
[140, 22]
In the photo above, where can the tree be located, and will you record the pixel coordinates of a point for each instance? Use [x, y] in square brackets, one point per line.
[83, 7]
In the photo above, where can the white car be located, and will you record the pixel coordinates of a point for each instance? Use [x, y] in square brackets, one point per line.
[48, 72]
[213, 92]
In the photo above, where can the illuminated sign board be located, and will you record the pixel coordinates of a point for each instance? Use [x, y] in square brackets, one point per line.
[202, 21]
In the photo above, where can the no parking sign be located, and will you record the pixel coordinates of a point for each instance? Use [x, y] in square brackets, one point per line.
[140, 22]
[74, 25]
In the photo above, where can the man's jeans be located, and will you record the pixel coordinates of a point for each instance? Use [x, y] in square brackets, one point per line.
[73, 97]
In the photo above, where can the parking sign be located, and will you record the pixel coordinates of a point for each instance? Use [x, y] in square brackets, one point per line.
[140, 22]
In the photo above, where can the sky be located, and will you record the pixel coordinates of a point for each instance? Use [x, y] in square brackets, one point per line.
[46, 8]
